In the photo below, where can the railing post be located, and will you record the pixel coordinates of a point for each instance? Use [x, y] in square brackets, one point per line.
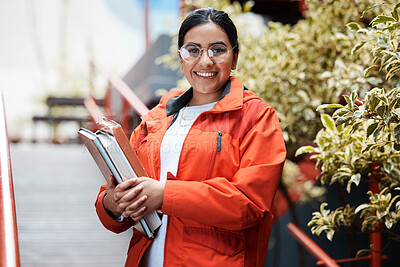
[9, 249]
[375, 236]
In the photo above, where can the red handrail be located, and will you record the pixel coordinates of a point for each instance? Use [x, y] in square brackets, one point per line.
[95, 113]
[307, 242]
[127, 93]
[9, 249]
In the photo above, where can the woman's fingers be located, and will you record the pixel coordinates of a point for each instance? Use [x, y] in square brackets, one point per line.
[128, 183]
[137, 204]
[110, 182]
[135, 215]
[128, 195]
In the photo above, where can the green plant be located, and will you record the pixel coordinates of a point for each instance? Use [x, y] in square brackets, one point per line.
[296, 68]
[360, 142]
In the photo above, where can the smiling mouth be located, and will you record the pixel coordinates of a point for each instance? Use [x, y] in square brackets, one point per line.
[206, 74]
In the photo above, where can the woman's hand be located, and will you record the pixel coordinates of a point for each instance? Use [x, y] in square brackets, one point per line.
[109, 204]
[137, 197]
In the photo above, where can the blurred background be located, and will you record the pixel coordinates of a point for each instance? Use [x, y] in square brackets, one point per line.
[46, 48]
[65, 63]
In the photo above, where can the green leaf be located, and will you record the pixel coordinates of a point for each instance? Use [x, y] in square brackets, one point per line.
[248, 5]
[367, 148]
[397, 147]
[371, 128]
[396, 113]
[355, 126]
[368, 9]
[305, 149]
[340, 112]
[355, 178]
[328, 122]
[396, 132]
[381, 111]
[348, 100]
[330, 234]
[373, 103]
[324, 106]
[382, 19]
[395, 14]
[376, 134]
[382, 41]
[394, 103]
[354, 96]
[342, 120]
[359, 112]
[362, 252]
[362, 207]
[368, 70]
[388, 167]
[392, 26]
[353, 26]
[358, 47]
[380, 214]
[389, 223]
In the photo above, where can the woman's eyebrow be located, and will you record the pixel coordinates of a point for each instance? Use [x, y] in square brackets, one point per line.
[193, 43]
[218, 43]
[213, 43]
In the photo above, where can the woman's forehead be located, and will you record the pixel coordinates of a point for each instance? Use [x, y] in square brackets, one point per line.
[206, 35]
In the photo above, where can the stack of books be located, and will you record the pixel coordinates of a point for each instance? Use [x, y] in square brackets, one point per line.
[113, 154]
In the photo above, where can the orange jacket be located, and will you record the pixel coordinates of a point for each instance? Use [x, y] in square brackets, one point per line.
[220, 202]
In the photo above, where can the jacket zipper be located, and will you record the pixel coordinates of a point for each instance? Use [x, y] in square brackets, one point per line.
[219, 141]
[214, 155]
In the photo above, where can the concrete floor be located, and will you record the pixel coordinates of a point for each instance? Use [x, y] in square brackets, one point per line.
[55, 189]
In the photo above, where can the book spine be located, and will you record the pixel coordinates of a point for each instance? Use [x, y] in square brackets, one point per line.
[107, 160]
[146, 228]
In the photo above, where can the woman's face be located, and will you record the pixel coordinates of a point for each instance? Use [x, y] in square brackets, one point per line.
[206, 77]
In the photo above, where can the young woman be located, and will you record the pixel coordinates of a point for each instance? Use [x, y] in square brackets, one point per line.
[214, 155]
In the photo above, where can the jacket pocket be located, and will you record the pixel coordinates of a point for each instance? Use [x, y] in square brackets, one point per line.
[134, 239]
[223, 241]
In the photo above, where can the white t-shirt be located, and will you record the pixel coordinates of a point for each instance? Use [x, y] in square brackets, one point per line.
[171, 147]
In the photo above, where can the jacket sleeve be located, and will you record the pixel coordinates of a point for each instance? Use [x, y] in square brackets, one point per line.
[247, 198]
[107, 221]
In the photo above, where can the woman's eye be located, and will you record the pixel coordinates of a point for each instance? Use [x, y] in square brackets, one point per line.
[218, 50]
[193, 50]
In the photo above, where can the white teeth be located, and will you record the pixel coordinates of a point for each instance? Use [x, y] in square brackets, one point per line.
[206, 74]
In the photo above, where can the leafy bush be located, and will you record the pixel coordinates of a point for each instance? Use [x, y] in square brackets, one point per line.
[297, 68]
[360, 142]
[333, 56]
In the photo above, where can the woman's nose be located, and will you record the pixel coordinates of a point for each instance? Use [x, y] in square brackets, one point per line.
[205, 59]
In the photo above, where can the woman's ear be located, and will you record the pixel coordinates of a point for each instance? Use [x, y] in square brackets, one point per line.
[180, 58]
[235, 60]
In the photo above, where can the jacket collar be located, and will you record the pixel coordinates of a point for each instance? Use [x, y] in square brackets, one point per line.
[231, 98]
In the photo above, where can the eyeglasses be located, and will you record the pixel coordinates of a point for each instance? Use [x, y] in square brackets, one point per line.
[218, 53]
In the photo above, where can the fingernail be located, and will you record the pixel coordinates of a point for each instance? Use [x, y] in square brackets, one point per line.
[144, 197]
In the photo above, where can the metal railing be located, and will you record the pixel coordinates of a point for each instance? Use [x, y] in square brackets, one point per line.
[129, 97]
[311, 246]
[9, 248]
